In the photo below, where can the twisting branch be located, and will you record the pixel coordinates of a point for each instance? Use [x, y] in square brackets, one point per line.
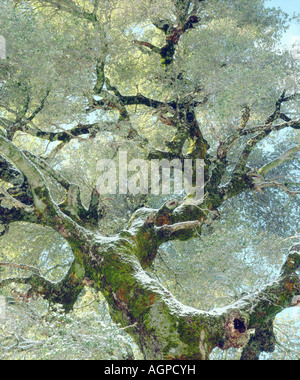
[39, 108]
[64, 292]
[224, 147]
[267, 127]
[173, 34]
[34, 177]
[60, 179]
[260, 183]
[9, 174]
[268, 303]
[286, 156]
[72, 205]
[295, 124]
[277, 113]
[152, 227]
[133, 100]
[20, 121]
[46, 211]
[64, 136]
[241, 176]
[14, 202]
[41, 195]
[115, 100]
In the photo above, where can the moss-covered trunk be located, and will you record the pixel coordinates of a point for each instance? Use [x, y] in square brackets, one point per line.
[163, 327]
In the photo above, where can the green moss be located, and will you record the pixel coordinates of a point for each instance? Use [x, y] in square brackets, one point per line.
[79, 270]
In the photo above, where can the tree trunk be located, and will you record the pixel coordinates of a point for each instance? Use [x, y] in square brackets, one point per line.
[164, 328]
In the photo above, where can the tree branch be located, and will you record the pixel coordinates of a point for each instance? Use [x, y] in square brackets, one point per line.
[262, 130]
[39, 108]
[41, 195]
[258, 311]
[155, 49]
[295, 124]
[72, 206]
[173, 34]
[9, 174]
[64, 292]
[138, 99]
[65, 136]
[286, 156]
[12, 210]
[178, 231]
[239, 178]
[260, 184]
[13, 201]
[46, 211]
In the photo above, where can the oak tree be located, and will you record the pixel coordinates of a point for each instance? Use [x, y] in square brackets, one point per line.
[179, 79]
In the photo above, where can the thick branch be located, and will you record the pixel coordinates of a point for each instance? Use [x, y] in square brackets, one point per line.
[173, 34]
[258, 310]
[152, 315]
[39, 189]
[64, 292]
[11, 212]
[261, 131]
[64, 136]
[152, 227]
[72, 206]
[9, 174]
[41, 195]
[179, 231]
[13, 202]
[286, 156]
[138, 99]
[46, 210]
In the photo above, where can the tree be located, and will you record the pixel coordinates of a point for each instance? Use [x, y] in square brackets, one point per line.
[185, 79]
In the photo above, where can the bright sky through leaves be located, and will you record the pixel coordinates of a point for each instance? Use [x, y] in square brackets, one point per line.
[290, 7]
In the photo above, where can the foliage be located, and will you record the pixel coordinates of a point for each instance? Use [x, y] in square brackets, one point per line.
[86, 79]
[36, 332]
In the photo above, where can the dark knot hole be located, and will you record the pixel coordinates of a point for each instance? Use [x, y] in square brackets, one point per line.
[239, 325]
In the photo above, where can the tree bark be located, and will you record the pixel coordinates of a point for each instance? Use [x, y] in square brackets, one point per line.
[162, 327]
